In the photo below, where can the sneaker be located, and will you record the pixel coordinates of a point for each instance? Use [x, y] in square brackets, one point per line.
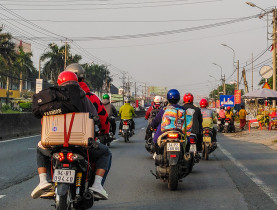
[39, 190]
[48, 194]
[100, 192]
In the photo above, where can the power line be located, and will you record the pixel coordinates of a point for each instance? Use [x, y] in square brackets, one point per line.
[160, 33]
[109, 8]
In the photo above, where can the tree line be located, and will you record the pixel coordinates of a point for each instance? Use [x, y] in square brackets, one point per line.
[17, 66]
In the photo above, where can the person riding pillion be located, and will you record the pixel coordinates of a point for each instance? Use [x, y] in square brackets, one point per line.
[208, 117]
[197, 128]
[151, 113]
[111, 110]
[101, 156]
[127, 112]
[102, 113]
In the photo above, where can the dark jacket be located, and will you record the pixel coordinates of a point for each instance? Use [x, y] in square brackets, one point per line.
[197, 119]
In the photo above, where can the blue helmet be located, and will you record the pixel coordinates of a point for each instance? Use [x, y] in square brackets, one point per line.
[173, 96]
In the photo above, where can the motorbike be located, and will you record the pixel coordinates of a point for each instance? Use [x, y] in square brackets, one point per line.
[207, 145]
[149, 144]
[220, 124]
[228, 126]
[72, 174]
[126, 131]
[192, 149]
[172, 162]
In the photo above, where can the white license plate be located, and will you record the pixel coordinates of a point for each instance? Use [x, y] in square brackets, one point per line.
[226, 123]
[64, 176]
[126, 127]
[173, 147]
[192, 148]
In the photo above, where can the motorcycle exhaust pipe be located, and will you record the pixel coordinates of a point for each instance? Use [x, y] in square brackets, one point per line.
[187, 156]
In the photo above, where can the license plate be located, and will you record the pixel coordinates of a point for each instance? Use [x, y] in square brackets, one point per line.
[207, 139]
[126, 127]
[173, 147]
[64, 176]
[226, 123]
[192, 148]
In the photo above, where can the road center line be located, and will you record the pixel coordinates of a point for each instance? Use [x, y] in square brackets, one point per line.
[18, 139]
[2, 196]
[267, 190]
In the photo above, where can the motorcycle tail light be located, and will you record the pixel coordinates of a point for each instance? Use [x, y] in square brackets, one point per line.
[70, 156]
[61, 156]
[192, 140]
[125, 122]
[174, 156]
[173, 135]
[66, 165]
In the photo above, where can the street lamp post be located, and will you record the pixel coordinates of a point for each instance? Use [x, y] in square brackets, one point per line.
[274, 42]
[215, 86]
[222, 78]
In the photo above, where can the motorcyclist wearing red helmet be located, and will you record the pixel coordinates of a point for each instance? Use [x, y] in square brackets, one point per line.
[101, 155]
[208, 117]
[197, 128]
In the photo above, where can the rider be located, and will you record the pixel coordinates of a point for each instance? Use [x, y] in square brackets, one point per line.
[173, 97]
[197, 128]
[102, 113]
[111, 111]
[229, 114]
[127, 112]
[151, 114]
[101, 155]
[208, 117]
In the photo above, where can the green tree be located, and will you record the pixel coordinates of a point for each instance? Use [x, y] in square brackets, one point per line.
[96, 76]
[7, 52]
[25, 66]
[54, 64]
[230, 89]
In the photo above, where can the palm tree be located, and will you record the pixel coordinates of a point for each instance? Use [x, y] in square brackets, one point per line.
[7, 47]
[55, 61]
[25, 66]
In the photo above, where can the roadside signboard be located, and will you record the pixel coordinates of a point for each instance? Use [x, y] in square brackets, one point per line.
[38, 85]
[237, 96]
[227, 100]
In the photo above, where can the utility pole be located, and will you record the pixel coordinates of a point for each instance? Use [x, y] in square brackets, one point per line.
[252, 72]
[135, 91]
[65, 54]
[274, 42]
[224, 85]
[245, 81]
[238, 76]
[123, 84]
[145, 90]
[39, 68]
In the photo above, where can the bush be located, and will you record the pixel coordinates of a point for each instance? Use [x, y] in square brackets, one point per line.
[26, 106]
[5, 107]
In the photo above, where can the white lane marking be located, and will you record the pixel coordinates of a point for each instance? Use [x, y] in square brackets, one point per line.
[31, 148]
[142, 128]
[2, 196]
[266, 189]
[18, 139]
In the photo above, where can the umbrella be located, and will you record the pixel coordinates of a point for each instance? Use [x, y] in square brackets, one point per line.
[262, 93]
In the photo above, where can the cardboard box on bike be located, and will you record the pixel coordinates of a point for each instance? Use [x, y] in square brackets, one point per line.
[79, 130]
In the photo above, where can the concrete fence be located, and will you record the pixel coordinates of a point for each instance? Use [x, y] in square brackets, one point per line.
[25, 124]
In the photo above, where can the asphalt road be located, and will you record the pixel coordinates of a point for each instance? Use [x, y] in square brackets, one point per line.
[239, 175]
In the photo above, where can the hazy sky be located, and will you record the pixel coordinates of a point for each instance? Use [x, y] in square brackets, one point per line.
[181, 60]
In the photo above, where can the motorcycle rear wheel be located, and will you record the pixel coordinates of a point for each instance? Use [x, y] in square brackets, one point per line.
[126, 138]
[206, 152]
[63, 202]
[173, 178]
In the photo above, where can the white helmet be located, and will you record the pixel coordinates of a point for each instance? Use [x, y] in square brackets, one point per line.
[77, 69]
[157, 99]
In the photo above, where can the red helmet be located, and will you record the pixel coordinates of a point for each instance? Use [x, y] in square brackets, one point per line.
[203, 103]
[228, 108]
[188, 98]
[66, 76]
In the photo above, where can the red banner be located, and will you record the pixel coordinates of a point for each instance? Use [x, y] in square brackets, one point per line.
[137, 103]
[237, 96]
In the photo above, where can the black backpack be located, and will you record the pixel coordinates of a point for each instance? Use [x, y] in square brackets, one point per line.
[57, 100]
[154, 113]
